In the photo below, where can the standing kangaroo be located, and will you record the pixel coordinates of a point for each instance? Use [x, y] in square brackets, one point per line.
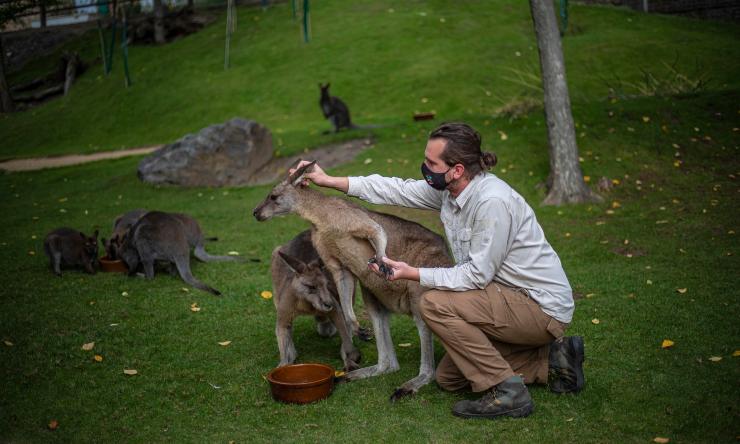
[334, 109]
[344, 241]
[304, 287]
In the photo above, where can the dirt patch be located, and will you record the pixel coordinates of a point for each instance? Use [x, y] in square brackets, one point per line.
[41, 163]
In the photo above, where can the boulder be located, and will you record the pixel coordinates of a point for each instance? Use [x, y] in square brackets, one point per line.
[219, 155]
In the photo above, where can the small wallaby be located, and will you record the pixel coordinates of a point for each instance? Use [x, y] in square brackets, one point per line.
[160, 236]
[72, 248]
[120, 226]
[334, 109]
[303, 286]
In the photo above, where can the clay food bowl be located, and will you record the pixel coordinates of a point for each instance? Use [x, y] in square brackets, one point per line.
[301, 383]
[112, 265]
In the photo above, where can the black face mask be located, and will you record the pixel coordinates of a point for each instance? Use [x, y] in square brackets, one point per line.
[435, 180]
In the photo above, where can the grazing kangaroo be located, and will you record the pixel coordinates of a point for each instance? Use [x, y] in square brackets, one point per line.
[160, 236]
[304, 287]
[69, 247]
[344, 241]
[120, 226]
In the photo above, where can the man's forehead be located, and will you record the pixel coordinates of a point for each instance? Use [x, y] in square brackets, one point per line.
[434, 148]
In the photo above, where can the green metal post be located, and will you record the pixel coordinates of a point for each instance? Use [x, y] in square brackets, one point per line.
[124, 47]
[102, 47]
[112, 43]
[306, 20]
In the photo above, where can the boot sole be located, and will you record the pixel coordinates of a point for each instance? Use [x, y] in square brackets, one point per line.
[521, 412]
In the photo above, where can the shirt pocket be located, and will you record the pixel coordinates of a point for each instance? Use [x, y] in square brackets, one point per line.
[462, 239]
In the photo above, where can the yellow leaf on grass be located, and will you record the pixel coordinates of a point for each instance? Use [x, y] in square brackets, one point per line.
[8, 343]
[266, 294]
[194, 308]
[129, 372]
[405, 344]
[338, 373]
[667, 343]
[595, 321]
[503, 135]
[98, 358]
[616, 204]
[645, 119]
[224, 343]
[736, 353]
[53, 424]
[233, 253]
[660, 440]
[587, 179]
[185, 290]
[89, 346]
[715, 358]
[682, 290]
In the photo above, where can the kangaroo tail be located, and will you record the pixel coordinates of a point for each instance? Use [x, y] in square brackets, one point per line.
[183, 267]
[201, 253]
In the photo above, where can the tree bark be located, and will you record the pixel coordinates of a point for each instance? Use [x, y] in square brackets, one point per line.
[159, 35]
[42, 13]
[565, 183]
[6, 100]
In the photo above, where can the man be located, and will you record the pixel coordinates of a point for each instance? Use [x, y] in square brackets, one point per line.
[501, 311]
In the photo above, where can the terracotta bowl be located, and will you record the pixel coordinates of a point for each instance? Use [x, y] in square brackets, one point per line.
[114, 266]
[301, 383]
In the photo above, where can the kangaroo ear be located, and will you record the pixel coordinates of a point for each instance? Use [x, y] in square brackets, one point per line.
[296, 178]
[294, 264]
[95, 235]
[82, 235]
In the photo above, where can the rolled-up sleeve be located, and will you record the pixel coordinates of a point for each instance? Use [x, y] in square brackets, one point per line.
[395, 191]
[489, 245]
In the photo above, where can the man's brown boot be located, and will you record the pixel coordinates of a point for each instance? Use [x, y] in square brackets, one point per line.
[508, 398]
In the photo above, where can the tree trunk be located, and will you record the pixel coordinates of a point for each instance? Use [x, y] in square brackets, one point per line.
[42, 13]
[71, 72]
[6, 100]
[159, 36]
[565, 183]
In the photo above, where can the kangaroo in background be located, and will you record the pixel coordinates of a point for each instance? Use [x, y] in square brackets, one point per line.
[120, 226]
[334, 109]
[72, 248]
[304, 287]
[160, 236]
[344, 242]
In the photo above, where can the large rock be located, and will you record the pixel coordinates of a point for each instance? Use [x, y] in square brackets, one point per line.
[219, 155]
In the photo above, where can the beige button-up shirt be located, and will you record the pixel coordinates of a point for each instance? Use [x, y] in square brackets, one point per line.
[493, 233]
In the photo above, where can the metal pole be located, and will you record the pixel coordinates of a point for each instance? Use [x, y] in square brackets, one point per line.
[124, 47]
[306, 20]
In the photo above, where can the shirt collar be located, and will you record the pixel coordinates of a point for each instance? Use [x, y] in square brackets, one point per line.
[463, 197]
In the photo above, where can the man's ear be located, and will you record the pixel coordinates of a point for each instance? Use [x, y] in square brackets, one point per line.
[458, 171]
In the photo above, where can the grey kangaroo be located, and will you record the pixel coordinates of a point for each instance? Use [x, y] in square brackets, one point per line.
[68, 247]
[344, 241]
[120, 226]
[304, 287]
[160, 236]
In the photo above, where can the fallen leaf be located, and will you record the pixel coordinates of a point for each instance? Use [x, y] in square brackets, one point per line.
[89, 346]
[368, 161]
[645, 119]
[233, 253]
[569, 420]
[98, 358]
[31, 253]
[649, 282]
[595, 321]
[53, 424]
[736, 353]
[590, 295]
[130, 372]
[587, 179]
[184, 289]
[266, 294]
[667, 343]
[503, 135]
[616, 204]
[405, 344]
[660, 440]
[194, 308]
[682, 290]
[8, 343]
[338, 373]
[224, 343]
[715, 358]
[125, 293]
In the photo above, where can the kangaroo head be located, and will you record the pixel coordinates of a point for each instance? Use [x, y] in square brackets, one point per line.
[127, 252]
[283, 198]
[309, 283]
[91, 246]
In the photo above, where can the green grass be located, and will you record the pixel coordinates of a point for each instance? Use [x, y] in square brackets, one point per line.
[383, 64]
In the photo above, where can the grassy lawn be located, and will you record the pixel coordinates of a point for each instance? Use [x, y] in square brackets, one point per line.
[662, 228]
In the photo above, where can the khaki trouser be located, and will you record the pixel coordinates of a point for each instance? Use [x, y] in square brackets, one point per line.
[490, 335]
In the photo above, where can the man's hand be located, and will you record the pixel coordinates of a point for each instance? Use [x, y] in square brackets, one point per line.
[401, 270]
[320, 178]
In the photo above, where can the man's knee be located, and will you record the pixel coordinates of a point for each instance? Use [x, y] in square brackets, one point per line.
[431, 301]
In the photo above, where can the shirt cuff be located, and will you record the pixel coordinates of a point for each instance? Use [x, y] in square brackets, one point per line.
[426, 277]
[354, 187]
